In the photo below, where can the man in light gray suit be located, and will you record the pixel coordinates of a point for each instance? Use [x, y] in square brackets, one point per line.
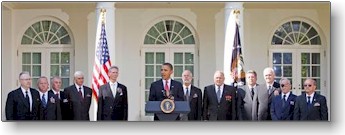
[252, 99]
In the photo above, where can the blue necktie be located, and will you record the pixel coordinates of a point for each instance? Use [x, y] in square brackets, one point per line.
[218, 95]
[44, 102]
[309, 101]
[284, 96]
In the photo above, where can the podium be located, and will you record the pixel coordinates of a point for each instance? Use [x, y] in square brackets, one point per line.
[155, 107]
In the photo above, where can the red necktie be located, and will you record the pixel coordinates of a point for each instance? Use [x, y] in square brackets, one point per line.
[166, 87]
[80, 93]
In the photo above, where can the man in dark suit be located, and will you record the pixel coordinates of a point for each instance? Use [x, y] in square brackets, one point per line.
[166, 87]
[56, 90]
[24, 102]
[272, 88]
[252, 99]
[310, 105]
[193, 95]
[79, 98]
[112, 98]
[219, 100]
[282, 106]
[50, 105]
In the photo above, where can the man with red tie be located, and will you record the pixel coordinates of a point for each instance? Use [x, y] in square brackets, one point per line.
[79, 98]
[166, 87]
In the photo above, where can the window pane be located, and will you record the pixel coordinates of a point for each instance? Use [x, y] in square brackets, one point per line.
[26, 40]
[36, 70]
[315, 41]
[26, 58]
[149, 70]
[65, 70]
[305, 71]
[149, 40]
[34, 82]
[287, 58]
[315, 71]
[148, 82]
[160, 27]
[277, 58]
[190, 68]
[147, 93]
[276, 40]
[185, 32]
[178, 58]
[287, 71]
[26, 68]
[305, 58]
[277, 71]
[65, 40]
[178, 71]
[149, 59]
[160, 58]
[36, 58]
[62, 32]
[65, 58]
[54, 70]
[189, 58]
[65, 82]
[315, 58]
[158, 70]
[54, 58]
[189, 40]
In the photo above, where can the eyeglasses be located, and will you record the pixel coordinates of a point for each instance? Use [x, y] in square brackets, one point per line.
[28, 79]
[307, 85]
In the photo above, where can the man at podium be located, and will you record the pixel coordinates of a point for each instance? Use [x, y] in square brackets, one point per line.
[166, 88]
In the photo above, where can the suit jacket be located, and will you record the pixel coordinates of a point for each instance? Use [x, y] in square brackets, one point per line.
[53, 109]
[64, 106]
[283, 111]
[195, 103]
[276, 86]
[225, 109]
[77, 106]
[318, 110]
[252, 109]
[17, 107]
[110, 108]
[157, 91]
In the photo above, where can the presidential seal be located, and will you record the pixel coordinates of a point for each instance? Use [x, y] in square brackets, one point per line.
[167, 106]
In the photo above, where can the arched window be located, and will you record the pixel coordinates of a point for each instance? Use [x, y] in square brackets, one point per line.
[297, 54]
[46, 32]
[296, 32]
[46, 50]
[169, 31]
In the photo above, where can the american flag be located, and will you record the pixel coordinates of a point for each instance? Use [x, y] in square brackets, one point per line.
[237, 70]
[102, 60]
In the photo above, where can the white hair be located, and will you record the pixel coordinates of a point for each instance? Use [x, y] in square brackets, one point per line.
[78, 73]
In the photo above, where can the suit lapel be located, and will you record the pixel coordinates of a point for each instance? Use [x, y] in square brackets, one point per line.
[213, 93]
[21, 96]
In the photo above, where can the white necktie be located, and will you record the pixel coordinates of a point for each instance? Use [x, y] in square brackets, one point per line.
[113, 90]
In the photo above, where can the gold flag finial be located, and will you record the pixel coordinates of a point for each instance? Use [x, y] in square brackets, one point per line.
[102, 14]
[236, 13]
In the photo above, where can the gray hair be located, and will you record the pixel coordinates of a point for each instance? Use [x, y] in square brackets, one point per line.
[24, 72]
[54, 78]
[283, 79]
[42, 77]
[78, 73]
[113, 67]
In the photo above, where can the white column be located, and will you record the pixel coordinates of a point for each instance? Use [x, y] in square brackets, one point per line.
[229, 35]
[110, 34]
[110, 26]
